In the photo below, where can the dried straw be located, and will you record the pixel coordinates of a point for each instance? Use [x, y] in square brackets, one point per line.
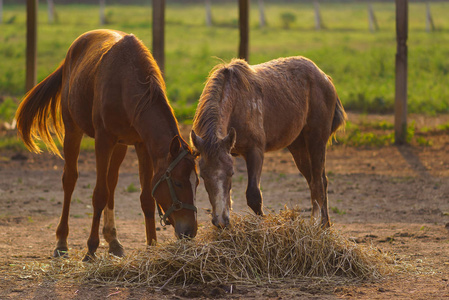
[253, 250]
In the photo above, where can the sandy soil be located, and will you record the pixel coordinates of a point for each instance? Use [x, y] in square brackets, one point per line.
[393, 197]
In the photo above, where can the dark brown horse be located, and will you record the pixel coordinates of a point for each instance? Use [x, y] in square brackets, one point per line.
[249, 110]
[110, 88]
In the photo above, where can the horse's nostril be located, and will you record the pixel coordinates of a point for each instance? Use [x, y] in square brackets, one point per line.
[222, 223]
[187, 234]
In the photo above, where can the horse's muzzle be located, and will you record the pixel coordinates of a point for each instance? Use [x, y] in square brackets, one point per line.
[222, 222]
[186, 233]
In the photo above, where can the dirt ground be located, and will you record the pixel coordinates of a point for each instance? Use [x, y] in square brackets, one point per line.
[395, 198]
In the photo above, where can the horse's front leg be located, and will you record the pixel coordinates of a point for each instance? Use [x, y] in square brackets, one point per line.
[147, 201]
[109, 228]
[254, 163]
[104, 146]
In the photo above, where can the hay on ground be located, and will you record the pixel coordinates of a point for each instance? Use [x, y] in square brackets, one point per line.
[253, 250]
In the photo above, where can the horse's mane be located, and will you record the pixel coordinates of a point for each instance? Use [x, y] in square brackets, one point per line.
[151, 75]
[226, 81]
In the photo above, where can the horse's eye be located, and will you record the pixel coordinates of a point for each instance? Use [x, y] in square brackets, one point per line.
[177, 183]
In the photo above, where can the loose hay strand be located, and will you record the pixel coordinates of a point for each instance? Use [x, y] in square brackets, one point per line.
[253, 250]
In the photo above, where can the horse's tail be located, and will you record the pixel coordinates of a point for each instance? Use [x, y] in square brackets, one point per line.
[339, 116]
[39, 114]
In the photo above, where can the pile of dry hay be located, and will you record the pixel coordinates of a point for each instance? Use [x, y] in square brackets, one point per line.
[252, 250]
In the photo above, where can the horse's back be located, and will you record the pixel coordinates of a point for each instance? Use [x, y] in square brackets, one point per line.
[290, 94]
[300, 94]
[84, 60]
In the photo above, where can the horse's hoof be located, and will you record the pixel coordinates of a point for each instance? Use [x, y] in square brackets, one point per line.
[116, 249]
[89, 257]
[260, 213]
[326, 225]
[61, 252]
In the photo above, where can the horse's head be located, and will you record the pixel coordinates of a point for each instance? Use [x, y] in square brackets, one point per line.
[216, 169]
[174, 189]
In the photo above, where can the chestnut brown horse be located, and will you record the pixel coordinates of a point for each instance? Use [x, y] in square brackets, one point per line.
[249, 110]
[110, 88]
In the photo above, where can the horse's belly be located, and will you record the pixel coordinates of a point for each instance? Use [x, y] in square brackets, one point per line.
[117, 124]
[282, 134]
[129, 137]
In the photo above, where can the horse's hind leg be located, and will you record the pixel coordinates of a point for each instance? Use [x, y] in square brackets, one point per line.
[72, 140]
[109, 229]
[254, 162]
[104, 146]
[300, 154]
[309, 152]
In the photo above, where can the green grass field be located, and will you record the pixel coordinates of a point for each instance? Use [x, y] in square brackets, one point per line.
[361, 63]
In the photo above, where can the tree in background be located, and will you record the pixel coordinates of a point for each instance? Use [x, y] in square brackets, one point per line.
[287, 18]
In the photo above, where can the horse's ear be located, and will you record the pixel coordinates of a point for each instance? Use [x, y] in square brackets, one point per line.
[175, 146]
[229, 140]
[196, 141]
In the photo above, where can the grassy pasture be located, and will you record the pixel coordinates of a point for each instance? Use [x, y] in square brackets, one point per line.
[361, 63]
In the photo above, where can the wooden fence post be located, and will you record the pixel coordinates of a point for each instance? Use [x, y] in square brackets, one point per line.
[102, 14]
[373, 26]
[208, 13]
[244, 29]
[430, 26]
[262, 21]
[400, 108]
[31, 47]
[1, 11]
[318, 19]
[51, 11]
[158, 33]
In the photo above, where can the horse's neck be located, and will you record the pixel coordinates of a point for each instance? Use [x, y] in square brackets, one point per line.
[157, 127]
[225, 108]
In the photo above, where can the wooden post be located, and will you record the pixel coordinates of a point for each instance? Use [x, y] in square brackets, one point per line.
[244, 29]
[102, 14]
[373, 26]
[1, 11]
[158, 33]
[429, 20]
[262, 21]
[318, 20]
[31, 47]
[51, 11]
[208, 13]
[400, 108]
